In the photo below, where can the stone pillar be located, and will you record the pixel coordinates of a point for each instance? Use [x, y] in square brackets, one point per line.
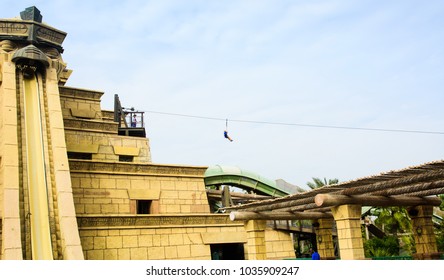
[255, 240]
[66, 215]
[348, 223]
[9, 162]
[324, 239]
[422, 227]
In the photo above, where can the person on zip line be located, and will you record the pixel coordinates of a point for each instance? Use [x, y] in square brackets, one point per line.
[226, 136]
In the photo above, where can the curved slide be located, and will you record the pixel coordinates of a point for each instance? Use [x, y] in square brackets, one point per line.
[38, 197]
[234, 176]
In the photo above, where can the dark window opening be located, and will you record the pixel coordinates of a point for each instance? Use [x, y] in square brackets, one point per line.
[143, 206]
[228, 251]
[74, 155]
[126, 158]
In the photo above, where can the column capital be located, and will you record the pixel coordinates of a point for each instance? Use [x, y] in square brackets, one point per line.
[346, 212]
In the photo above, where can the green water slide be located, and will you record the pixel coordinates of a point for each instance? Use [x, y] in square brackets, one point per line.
[234, 176]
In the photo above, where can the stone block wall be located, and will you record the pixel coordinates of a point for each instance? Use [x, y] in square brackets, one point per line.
[108, 147]
[278, 244]
[167, 242]
[111, 194]
[80, 103]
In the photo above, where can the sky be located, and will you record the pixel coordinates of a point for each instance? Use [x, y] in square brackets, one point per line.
[286, 74]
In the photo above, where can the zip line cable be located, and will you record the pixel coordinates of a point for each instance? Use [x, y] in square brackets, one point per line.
[298, 124]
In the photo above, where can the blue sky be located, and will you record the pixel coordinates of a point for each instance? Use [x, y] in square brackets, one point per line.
[369, 64]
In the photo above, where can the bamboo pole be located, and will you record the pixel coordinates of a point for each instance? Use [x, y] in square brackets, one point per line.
[278, 205]
[367, 200]
[428, 176]
[237, 195]
[411, 188]
[427, 192]
[287, 201]
[275, 215]
[309, 206]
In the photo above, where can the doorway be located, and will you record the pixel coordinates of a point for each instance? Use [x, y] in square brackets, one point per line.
[227, 251]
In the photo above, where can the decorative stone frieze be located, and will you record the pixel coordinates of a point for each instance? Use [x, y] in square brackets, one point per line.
[91, 125]
[80, 93]
[133, 168]
[155, 221]
[33, 31]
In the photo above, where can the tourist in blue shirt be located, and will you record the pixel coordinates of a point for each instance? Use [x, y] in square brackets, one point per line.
[315, 256]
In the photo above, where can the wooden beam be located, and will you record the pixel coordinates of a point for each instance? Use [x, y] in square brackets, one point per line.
[237, 195]
[236, 199]
[258, 207]
[274, 215]
[323, 200]
[427, 192]
[308, 206]
[425, 186]
[404, 181]
[286, 201]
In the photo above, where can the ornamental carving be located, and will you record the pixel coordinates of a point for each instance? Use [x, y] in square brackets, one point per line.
[7, 45]
[136, 168]
[155, 221]
[35, 31]
[68, 92]
[13, 28]
[105, 127]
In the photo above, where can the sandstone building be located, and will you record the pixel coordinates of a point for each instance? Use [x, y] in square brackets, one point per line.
[77, 181]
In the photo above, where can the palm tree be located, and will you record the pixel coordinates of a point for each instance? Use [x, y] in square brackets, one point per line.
[395, 220]
[317, 182]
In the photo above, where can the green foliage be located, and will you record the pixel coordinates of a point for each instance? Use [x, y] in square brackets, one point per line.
[407, 245]
[396, 222]
[440, 242]
[381, 247]
[393, 220]
[439, 230]
[214, 205]
[317, 182]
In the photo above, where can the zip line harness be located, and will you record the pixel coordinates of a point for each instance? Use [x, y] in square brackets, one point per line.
[226, 131]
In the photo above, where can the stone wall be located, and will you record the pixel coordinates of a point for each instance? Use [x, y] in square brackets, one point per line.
[108, 147]
[102, 193]
[80, 103]
[181, 237]
[90, 130]
[278, 244]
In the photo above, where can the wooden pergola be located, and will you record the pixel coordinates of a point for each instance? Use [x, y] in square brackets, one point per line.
[411, 187]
